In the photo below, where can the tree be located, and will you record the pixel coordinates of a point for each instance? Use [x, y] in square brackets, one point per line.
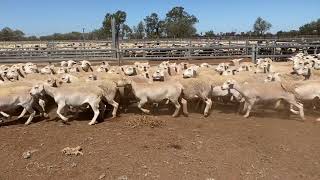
[312, 28]
[209, 34]
[126, 31]
[179, 23]
[120, 18]
[8, 34]
[138, 31]
[154, 26]
[261, 26]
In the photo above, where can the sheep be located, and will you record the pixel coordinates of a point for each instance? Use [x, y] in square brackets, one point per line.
[13, 97]
[157, 92]
[75, 95]
[263, 92]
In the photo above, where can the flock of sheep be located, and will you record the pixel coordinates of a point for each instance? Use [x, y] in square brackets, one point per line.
[79, 86]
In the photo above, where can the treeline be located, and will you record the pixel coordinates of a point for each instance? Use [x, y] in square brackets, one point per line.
[177, 23]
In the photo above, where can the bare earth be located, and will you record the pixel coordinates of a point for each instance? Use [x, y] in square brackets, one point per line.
[268, 145]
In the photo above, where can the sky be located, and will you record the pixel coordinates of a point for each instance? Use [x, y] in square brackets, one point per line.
[43, 17]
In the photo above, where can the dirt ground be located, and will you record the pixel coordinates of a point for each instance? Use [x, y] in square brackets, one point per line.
[268, 145]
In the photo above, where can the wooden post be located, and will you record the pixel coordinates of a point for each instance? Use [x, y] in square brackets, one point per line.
[254, 54]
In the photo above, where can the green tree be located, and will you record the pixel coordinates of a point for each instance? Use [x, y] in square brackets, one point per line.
[209, 34]
[120, 18]
[138, 31]
[179, 23]
[312, 28]
[261, 26]
[154, 26]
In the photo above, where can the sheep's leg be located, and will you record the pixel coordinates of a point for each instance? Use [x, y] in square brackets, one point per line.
[184, 106]
[95, 108]
[24, 111]
[208, 107]
[140, 106]
[178, 107]
[5, 114]
[300, 107]
[102, 107]
[249, 107]
[32, 114]
[42, 104]
[115, 108]
[292, 110]
[59, 109]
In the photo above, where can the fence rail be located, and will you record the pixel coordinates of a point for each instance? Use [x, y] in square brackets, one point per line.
[254, 51]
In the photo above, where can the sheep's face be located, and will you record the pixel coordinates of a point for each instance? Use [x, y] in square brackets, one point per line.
[12, 74]
[64, 64]
[129, 70]
[31, 68]
[222, 67]
[52, 82]
[158, 75]
[65, 78]
[92, 77]
[46, 70]
[37, 90]
[71, 63]
[228, 84]
[229, 72]
[143, 67]
[316, 64]
[85, 65]
[272, 77]
[189, 73]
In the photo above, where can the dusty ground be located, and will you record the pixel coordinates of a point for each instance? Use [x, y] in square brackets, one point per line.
[132, 146]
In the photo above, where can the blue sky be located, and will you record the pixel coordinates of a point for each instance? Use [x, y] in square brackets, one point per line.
[42, 17]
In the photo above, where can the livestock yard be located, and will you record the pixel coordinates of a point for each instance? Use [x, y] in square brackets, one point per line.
[233, 119]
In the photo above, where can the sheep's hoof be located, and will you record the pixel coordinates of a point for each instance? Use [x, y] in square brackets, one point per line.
[246, 116]
[65, 119]
[186, 114]
[206, 115]
[92, 123]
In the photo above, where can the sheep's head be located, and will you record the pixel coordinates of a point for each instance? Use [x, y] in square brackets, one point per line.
[65, 78]
[129, 70]
[229, 84]
[272, 77]
[64, 64]
[86, 65]
[52, 82]
[92, 77]
[189, 73]
[37, 90]
[71, 63]
[13, 74]
[158, 75]
[230, 72]
[30, 68]
[222, 67]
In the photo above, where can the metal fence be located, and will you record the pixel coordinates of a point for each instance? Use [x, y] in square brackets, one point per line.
[272, 50]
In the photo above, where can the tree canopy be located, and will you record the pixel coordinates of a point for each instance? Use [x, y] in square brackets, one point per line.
[179, 23]
[261, 26]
